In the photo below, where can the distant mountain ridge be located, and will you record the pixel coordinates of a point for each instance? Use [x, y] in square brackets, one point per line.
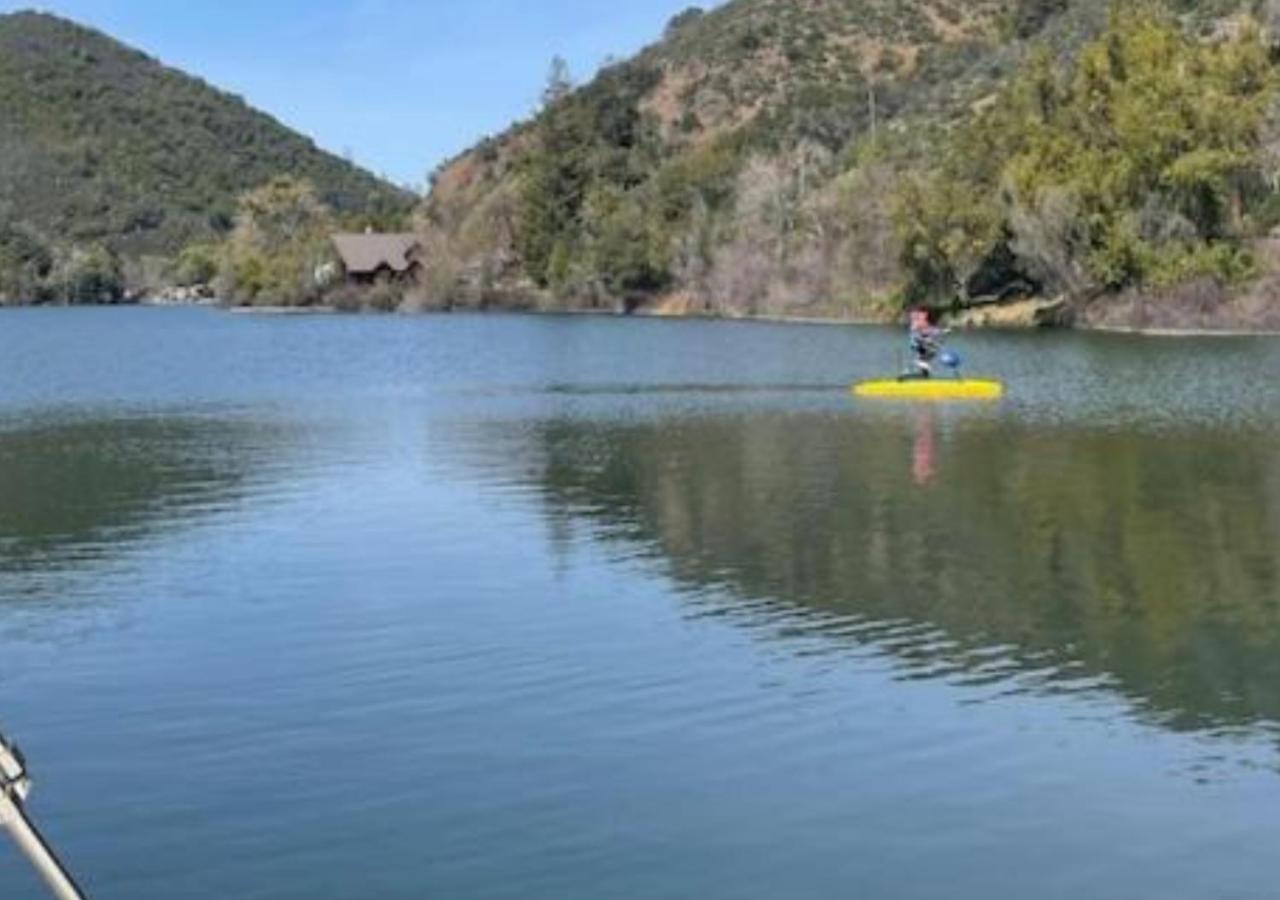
[104, 147]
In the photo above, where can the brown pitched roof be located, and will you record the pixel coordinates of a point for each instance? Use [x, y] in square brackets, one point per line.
[366, 253]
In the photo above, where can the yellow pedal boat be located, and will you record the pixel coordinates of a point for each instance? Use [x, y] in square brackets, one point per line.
[930, 389]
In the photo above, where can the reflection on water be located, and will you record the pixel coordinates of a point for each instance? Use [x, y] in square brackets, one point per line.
[925, 450]
[1037, 559]
[634, 609]
[81, 491]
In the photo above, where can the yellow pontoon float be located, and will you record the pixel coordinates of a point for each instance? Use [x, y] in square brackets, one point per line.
[930, 389]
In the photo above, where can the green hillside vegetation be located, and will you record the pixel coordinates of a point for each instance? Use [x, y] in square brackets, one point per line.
[699, 166]
[848, 157]
[111, 163]
[1140, 164]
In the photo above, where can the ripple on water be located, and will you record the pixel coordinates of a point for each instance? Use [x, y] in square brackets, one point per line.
[497, 607]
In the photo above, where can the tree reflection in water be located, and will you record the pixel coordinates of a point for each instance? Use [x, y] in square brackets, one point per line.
[1043, 558]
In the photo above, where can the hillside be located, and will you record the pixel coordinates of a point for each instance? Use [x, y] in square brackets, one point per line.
[105, 153]
[691, 168]
[843, 157]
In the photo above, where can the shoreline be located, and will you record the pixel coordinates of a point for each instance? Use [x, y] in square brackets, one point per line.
[826, 321]
[762, 319]
[1176, 332]
[277, 310]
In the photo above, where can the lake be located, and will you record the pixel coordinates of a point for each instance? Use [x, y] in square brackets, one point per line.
[542, 607]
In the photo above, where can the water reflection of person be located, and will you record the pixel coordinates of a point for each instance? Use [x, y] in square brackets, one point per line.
[924, 451]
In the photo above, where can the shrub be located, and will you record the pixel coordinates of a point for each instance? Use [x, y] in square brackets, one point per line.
[278, 247]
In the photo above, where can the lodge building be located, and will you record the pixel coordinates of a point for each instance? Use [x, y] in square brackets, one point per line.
[372, 258]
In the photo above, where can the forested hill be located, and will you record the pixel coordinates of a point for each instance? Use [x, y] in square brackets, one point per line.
[662, 174]
[107, 156]
[844, 157]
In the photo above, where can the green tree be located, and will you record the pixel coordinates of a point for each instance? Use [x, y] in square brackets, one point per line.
[627, 252]
[1123, 167]
[280, 239]
[25, 265]
[91, 275]
[196, 265]
[559, 82]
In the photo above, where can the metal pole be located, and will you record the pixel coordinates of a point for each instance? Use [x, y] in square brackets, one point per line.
[14, 788]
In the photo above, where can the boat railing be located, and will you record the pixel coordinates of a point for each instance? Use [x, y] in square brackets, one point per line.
[15, 787]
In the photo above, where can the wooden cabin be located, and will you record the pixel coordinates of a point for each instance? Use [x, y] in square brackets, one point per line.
[370, 258]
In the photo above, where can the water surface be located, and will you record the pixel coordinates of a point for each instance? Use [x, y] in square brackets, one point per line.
[489, 607]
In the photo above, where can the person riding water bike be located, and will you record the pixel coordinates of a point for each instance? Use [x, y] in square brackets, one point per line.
[925, 340]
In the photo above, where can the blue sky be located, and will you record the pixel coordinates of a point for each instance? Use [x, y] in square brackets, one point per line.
[397, 84]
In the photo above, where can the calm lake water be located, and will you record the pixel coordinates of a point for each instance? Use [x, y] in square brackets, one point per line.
[503, 607]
